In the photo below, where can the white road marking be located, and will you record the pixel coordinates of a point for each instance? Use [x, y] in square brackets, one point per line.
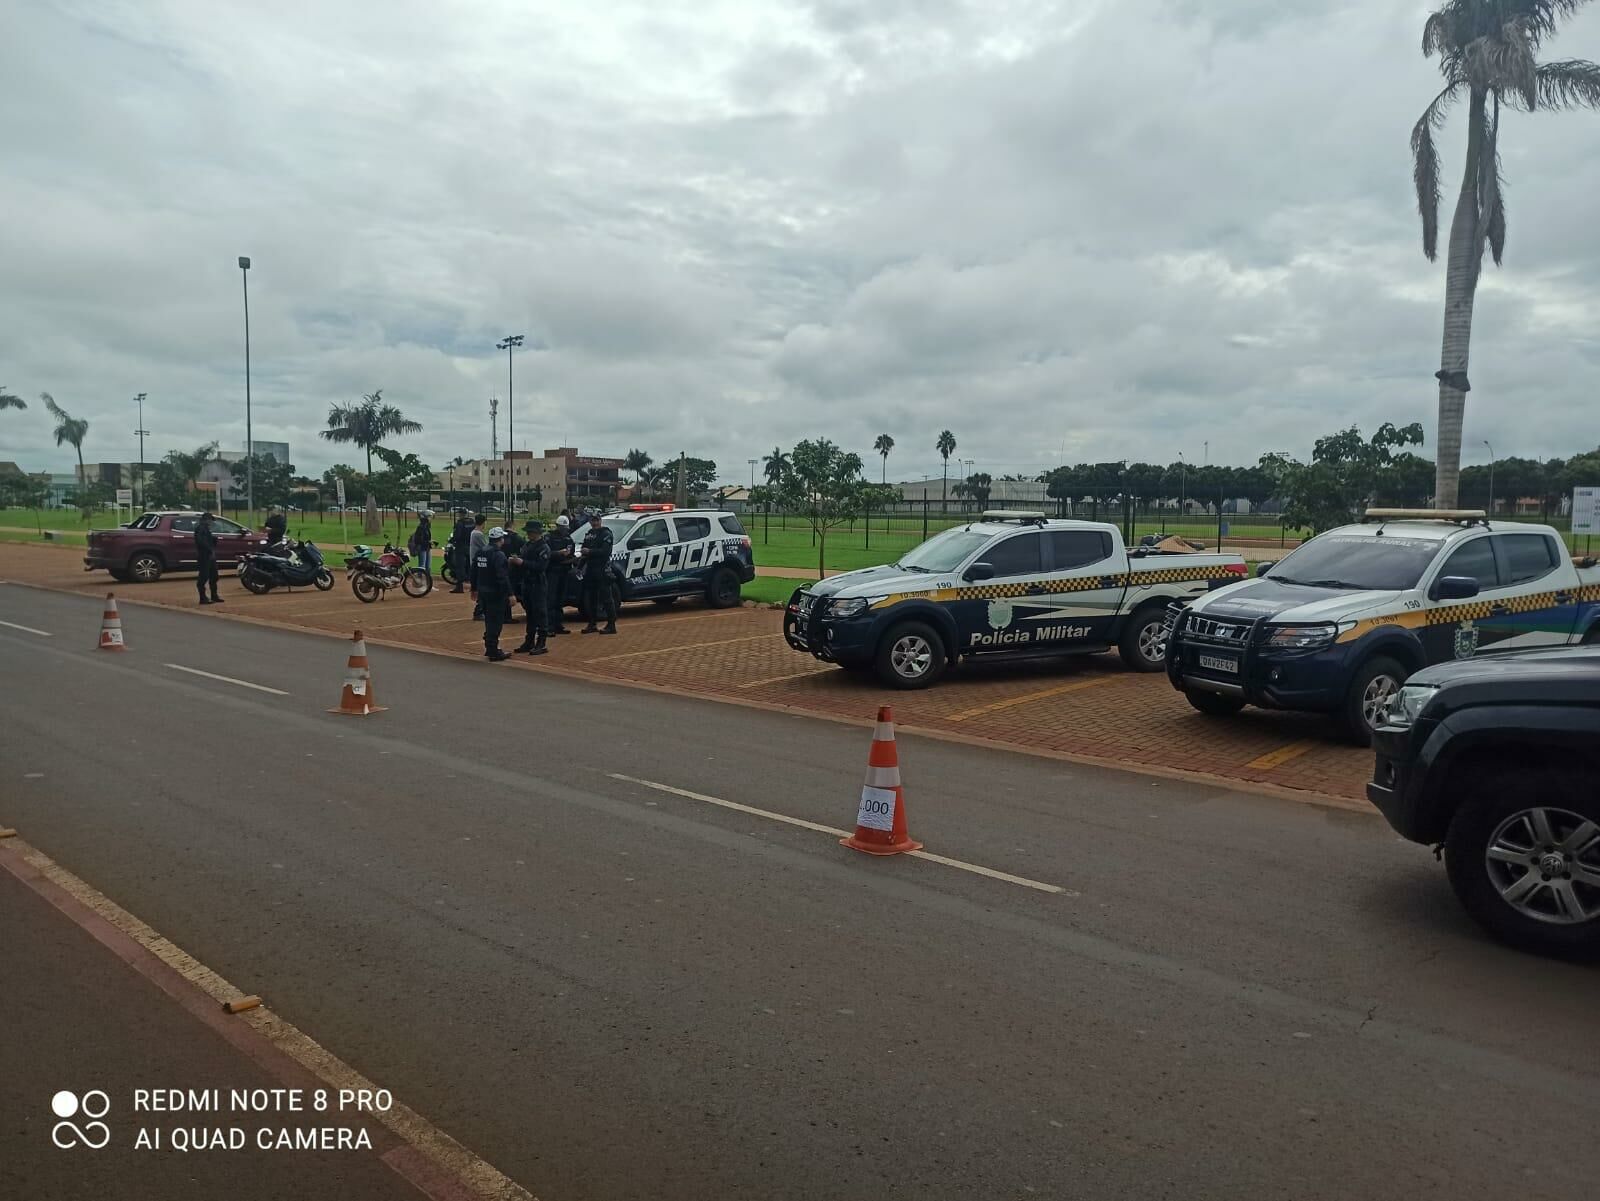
[960, 864]
[27, 629]
[195, 671]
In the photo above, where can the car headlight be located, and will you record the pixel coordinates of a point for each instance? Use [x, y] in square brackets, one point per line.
[1406, 704]
[851, 607]
[1301, 638]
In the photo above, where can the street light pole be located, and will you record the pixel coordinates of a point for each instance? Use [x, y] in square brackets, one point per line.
[249, 437]
[509, 344]
[138, 473]
[752, 463]
[1491, 477]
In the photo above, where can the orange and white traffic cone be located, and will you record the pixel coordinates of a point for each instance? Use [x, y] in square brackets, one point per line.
[881, 816]
[356, 699]
[111, 627]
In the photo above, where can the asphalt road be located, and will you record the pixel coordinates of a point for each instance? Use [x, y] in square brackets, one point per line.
[612, 991]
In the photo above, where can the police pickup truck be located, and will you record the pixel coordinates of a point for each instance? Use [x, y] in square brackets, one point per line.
[1338, 625]
[1012, 584]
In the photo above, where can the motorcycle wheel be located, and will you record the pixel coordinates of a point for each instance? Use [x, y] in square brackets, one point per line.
[323, 580]
[254, 583]
[366, 591]
[416, 582]
[447, 573]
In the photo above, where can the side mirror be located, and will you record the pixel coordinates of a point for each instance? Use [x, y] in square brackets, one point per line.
[1455, 587]
[979, 571]
[1263, 568]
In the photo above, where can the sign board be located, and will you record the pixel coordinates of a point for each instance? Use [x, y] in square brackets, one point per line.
[1586, 510]
[124, 497]
[338, 486]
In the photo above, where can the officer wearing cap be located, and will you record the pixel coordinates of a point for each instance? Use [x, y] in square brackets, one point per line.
[562, 552]
[205, 552]
[491, 583]
[535, 605]
[597, 596]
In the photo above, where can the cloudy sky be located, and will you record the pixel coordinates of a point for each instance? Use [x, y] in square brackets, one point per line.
[1081, 229]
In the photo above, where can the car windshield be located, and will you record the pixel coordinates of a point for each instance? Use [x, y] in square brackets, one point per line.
[946, 551]
[1358, 561]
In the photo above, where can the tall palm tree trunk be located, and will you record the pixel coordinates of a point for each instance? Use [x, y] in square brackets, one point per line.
[1460, 291]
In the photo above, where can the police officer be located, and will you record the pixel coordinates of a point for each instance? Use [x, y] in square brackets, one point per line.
[511, 547]
[205, 552]
[477, 543]
[597, 596]
[276, 525]
[491, 585]
[535, 605]
[562, 552]
[461, 550]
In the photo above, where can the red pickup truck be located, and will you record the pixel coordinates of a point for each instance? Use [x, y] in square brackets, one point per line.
[159, 542]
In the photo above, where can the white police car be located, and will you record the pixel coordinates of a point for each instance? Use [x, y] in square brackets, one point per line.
[662, 553]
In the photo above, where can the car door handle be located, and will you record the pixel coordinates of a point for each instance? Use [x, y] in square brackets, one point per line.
[1498, 610]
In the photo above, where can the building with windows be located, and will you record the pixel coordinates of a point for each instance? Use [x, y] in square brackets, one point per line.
[564, 478]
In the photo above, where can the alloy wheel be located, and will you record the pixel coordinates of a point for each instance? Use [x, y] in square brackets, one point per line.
[1545, 863]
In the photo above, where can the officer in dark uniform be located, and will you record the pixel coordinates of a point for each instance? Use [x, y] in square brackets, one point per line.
[491, 581]
[535, 604]
[460, 538]
[205, 551]
[511, 547]
[276, 525]
[597, 596]
[562, 552]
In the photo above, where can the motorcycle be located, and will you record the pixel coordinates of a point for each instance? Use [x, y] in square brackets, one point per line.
[371, 578]
[298, 566]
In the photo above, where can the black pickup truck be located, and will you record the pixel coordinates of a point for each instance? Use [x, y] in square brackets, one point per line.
[1495, 759]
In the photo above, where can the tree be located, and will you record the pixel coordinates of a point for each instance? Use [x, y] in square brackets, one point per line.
[1345, 473]
[637, 462]
[367, 424]
[8, 401]
[977, 486]
[883, 444]
[1486, 51]
[188, 466]
[69, 430]
[401, 477]
[824, 485]
[775, 466]
[89, 498]
[26, 492]
[946, 446]
[273, 480]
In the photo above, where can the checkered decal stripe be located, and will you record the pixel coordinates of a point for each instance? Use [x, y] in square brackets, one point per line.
[1165, 575]
[1476, 610]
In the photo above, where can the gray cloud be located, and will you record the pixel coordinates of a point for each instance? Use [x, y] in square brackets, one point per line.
[1078, 227]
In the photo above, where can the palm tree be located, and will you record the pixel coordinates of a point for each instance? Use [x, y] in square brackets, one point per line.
[69, 430]
[8, 401]
[883, 444]
[775, 466]
[367, 424]
[637, 462]
[946, 446]
[1486, 51]
[190, 465]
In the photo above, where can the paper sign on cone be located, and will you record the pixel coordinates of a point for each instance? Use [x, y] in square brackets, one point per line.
[356, 698]
[881, 813]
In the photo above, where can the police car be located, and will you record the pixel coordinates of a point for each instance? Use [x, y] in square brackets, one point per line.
[662, 553]
[1339, 624]
[1009, 584]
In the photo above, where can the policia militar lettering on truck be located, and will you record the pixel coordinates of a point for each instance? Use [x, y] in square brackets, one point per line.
[1010, 583]
[1340, 623]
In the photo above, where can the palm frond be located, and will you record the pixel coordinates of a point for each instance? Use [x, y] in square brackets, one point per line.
[1491, 182]
[1425, 167]
[8, 401]
[56, 410]
[1569, 83]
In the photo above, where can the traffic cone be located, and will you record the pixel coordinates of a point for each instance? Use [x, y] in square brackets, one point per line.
[111, 627]
[881, 816]
[356, 699]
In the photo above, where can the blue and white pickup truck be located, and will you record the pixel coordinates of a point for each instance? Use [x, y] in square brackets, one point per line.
[1010, 584]
[1338, 625]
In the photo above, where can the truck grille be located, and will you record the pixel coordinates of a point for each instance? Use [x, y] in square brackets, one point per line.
[1221, 633]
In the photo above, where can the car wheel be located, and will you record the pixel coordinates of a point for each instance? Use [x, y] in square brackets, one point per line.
[1375, 682]
[146, 567]
[910, 656]
[664, 602]
[1142, 645]
[1213, 704]
[723, 591]
[1523, 855]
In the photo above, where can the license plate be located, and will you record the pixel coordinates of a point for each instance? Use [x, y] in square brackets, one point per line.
[1225, 663]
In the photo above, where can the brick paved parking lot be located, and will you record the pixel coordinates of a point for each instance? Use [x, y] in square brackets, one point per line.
[1089, 707]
